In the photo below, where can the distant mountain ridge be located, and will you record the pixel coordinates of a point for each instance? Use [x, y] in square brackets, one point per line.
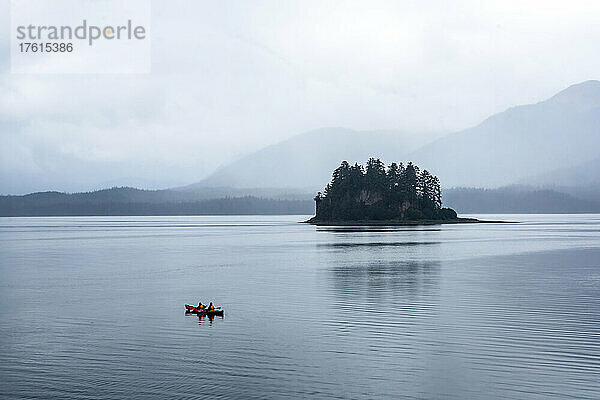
[504, 149]
[305, 161]
[586, 174]
[520, 142]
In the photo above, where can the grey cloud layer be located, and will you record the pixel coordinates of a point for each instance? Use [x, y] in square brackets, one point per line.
[229, 79]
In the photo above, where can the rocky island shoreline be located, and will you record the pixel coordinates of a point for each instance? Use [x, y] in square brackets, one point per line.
[395, 222]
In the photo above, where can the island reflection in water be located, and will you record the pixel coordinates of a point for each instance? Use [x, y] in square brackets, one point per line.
[479, 311]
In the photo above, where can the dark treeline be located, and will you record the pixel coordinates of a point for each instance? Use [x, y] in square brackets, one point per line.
[376, 193]
[60, 204]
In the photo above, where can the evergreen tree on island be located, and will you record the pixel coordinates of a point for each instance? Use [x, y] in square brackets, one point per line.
[374, 193]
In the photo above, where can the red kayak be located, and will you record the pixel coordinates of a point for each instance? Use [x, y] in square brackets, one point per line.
[195, 310]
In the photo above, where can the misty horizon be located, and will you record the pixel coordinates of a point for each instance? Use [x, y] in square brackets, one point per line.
[417, 143]
[423, 70]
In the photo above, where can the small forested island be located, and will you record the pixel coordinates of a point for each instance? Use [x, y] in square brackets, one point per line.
[373, 195]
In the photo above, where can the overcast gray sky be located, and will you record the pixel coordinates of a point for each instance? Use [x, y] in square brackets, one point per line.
[230, 78]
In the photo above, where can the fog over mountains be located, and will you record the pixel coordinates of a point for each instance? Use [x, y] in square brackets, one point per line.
[519, 143]
[524, 141]
[542, 157]
[305, 161]
[585, 175]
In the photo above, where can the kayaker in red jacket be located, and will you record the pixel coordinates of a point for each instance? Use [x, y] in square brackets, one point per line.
[200, 306]
[211, 307]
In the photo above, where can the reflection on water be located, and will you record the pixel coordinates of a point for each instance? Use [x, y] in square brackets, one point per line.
[377, 244]
[363, 229]
[202, 318]
[92, 308]
[385, 280]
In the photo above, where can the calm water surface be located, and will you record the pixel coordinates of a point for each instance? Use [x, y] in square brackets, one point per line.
[92, 307]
